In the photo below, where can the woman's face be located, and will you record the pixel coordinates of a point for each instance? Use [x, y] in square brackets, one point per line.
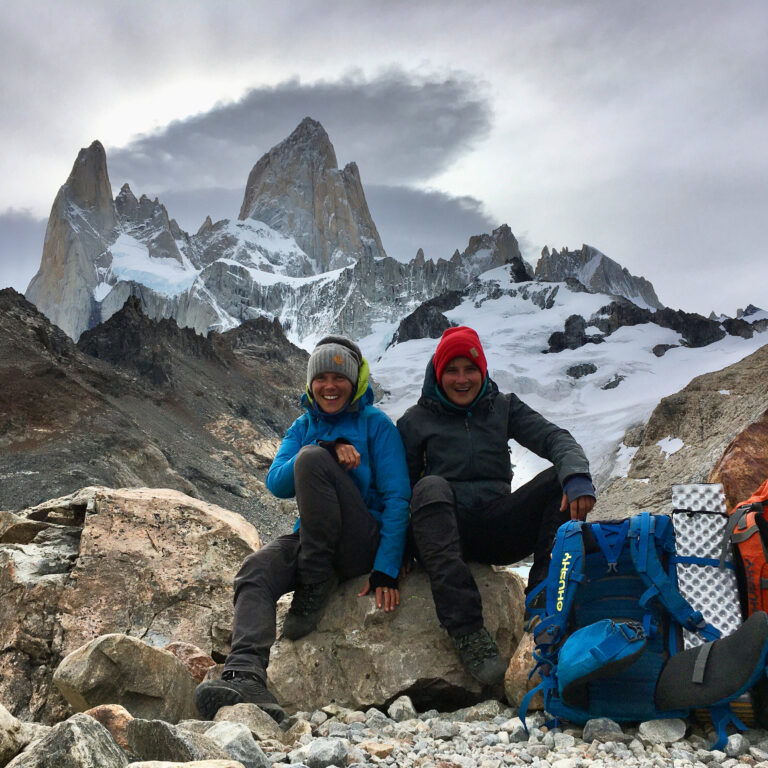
[461, 381]
[331, 391]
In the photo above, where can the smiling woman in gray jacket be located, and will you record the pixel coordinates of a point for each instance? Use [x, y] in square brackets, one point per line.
[456, 442]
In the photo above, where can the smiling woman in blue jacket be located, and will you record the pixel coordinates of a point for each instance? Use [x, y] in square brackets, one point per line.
[344, 462]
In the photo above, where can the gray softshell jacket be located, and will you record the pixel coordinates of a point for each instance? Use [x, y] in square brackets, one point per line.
[470, 447]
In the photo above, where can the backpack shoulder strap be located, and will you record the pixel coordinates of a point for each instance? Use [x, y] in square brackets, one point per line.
[566, 572]
[644, 530]
[739, 518]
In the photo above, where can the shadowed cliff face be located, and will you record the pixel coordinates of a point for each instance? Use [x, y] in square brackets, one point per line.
[144, 403]
[719, 420]
[81, 225]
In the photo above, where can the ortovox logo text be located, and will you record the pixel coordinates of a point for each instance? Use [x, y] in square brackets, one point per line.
[561, 584]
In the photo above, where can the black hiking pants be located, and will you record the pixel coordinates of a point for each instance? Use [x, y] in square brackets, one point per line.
[337, 533]
[509, 529]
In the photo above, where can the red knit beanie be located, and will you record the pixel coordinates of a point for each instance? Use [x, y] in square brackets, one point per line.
[459, 342]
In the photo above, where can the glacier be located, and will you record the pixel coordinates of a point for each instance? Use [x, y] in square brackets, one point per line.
[514, 332]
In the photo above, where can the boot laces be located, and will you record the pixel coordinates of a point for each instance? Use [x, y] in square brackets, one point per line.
[250, 684]
[477, 646]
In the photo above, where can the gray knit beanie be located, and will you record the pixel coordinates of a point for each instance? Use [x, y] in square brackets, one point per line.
[335, 354]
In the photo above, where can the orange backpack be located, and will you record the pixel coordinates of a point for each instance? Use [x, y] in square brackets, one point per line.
[748, 532]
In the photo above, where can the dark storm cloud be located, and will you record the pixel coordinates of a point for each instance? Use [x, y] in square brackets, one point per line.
[409, 219]
[397, 127]
[190, 206]
[21, 246]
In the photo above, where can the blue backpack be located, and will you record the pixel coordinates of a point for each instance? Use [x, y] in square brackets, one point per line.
[609, 641]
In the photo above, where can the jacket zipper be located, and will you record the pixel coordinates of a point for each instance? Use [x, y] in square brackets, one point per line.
[471, 447]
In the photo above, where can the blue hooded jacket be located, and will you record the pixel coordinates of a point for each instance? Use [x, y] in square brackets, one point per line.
[382, 477]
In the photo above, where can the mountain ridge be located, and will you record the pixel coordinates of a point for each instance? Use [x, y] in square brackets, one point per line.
[305, 249]
[139, 402]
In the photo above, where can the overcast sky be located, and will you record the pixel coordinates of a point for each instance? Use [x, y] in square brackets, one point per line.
[636, 127]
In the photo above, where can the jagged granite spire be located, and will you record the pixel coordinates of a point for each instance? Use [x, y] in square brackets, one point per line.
[298, 189]
[80, 228]
[596, 272]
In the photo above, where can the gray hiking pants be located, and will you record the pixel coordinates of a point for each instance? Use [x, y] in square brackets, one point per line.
[337, 533]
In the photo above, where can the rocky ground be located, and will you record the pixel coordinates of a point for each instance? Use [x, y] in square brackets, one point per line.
[487, 735]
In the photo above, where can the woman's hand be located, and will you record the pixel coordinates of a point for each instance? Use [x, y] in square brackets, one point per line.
[579, 507]
[387, 598]
[347, 455]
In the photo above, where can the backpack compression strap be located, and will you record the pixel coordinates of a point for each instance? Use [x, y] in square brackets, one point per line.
[643, 531]
[744, 532]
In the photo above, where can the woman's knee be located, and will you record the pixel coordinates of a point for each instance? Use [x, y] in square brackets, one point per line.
[310, 457]
[272, 567]
[431, 489]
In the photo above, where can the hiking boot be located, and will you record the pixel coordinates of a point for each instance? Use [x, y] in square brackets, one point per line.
[480, 657]
[307, 607]
[236, 688]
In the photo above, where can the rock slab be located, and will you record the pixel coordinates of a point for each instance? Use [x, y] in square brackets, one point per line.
[158, 740]
[79, 742]
[259, 723]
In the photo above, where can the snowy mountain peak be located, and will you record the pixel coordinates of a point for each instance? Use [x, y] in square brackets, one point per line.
[297, 189]
[486, 251]
[596, 272]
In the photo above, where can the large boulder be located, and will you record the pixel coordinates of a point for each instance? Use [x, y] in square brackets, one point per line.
[151, 683]
[360, 656]
[743, 468]
[148, 563]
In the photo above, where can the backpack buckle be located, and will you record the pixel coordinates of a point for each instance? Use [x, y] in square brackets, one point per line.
[613, 567]
[632, 630]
